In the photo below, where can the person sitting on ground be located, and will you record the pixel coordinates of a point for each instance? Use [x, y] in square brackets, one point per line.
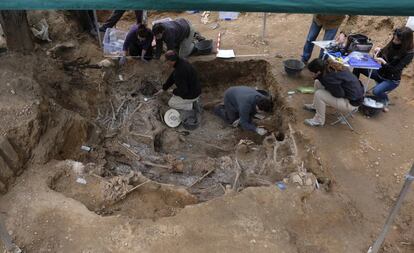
[394, 57]
[330, 23]
[138, 42]
[185, 77]
[241, 103]
[335, 86]
[177, 34]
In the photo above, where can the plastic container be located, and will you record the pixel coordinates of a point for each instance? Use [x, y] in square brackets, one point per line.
[410, 23]
[293, 67]
[228, 15]
[113, 42]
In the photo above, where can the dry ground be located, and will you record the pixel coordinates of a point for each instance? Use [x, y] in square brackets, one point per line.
[366, 166]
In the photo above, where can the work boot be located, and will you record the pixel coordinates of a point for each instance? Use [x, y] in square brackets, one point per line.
[199, 37]
[309, 107]
[197, 107]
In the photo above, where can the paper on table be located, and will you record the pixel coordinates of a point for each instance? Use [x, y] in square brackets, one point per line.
[225, 53]
[322, 43]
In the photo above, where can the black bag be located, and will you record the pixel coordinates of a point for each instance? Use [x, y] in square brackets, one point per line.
[359, 43]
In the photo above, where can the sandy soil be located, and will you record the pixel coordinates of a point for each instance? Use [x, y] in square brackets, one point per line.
[45, 211]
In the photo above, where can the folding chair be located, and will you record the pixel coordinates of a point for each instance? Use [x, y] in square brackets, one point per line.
[343, 118]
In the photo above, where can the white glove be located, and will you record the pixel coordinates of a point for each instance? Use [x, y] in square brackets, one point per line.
[261, 131]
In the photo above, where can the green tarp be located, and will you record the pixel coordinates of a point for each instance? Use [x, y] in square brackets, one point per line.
[366, 7]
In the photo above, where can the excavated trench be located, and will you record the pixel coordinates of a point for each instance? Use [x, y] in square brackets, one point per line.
[138, 167]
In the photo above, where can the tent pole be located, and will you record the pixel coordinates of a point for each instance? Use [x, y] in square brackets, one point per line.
[409, 179]
[264, 25]
[95, 20]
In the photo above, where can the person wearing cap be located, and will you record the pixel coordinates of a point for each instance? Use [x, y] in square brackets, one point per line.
[138, 42]
[241, 103]
[177, 34]
[330, 23]
[185, 78]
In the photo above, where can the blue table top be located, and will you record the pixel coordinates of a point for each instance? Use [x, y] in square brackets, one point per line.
[358, 60]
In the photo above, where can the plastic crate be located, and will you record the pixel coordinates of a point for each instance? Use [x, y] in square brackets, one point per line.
[228, 15]
[113, 42]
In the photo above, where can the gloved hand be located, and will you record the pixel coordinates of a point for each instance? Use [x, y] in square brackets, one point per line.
[122, 60]
[261, 131]
[158, 92]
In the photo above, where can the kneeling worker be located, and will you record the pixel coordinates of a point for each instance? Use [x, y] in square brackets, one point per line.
[185, 77]
[241, 103]
[177, 34]
[335, 86]
[138, 43]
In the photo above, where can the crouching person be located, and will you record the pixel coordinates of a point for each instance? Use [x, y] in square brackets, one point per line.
[335, 86]
[241, 103]
[185, 77]
[138, 43]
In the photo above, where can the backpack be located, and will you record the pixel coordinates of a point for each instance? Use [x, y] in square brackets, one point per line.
[359, 43]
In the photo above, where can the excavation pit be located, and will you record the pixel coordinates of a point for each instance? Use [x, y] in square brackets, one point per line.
[206, 163]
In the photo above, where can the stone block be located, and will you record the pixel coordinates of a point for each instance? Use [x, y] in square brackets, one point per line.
[5, 172]
[9, 155]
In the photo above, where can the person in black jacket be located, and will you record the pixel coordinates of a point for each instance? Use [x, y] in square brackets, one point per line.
[394, 57]
[185, 77]
[138, 43]
[335, 86]
[177, 34]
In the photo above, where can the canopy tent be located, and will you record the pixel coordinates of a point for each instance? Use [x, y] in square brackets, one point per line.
[357, 7]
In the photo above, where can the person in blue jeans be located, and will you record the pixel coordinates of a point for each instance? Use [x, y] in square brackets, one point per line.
[394, 57]
[330, 23]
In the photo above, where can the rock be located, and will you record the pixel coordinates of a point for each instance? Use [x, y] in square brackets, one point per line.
[61, 47]
[106, 63]
[5, 172]
[296, 179]
[10, 155]
[310, 179]
[3, 188]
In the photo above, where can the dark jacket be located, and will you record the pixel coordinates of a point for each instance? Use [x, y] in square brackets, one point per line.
[395, 65]
[132, 39]
[174, 33]
[344, 84]
[185, 78]
[328, 21]
[242, 100]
